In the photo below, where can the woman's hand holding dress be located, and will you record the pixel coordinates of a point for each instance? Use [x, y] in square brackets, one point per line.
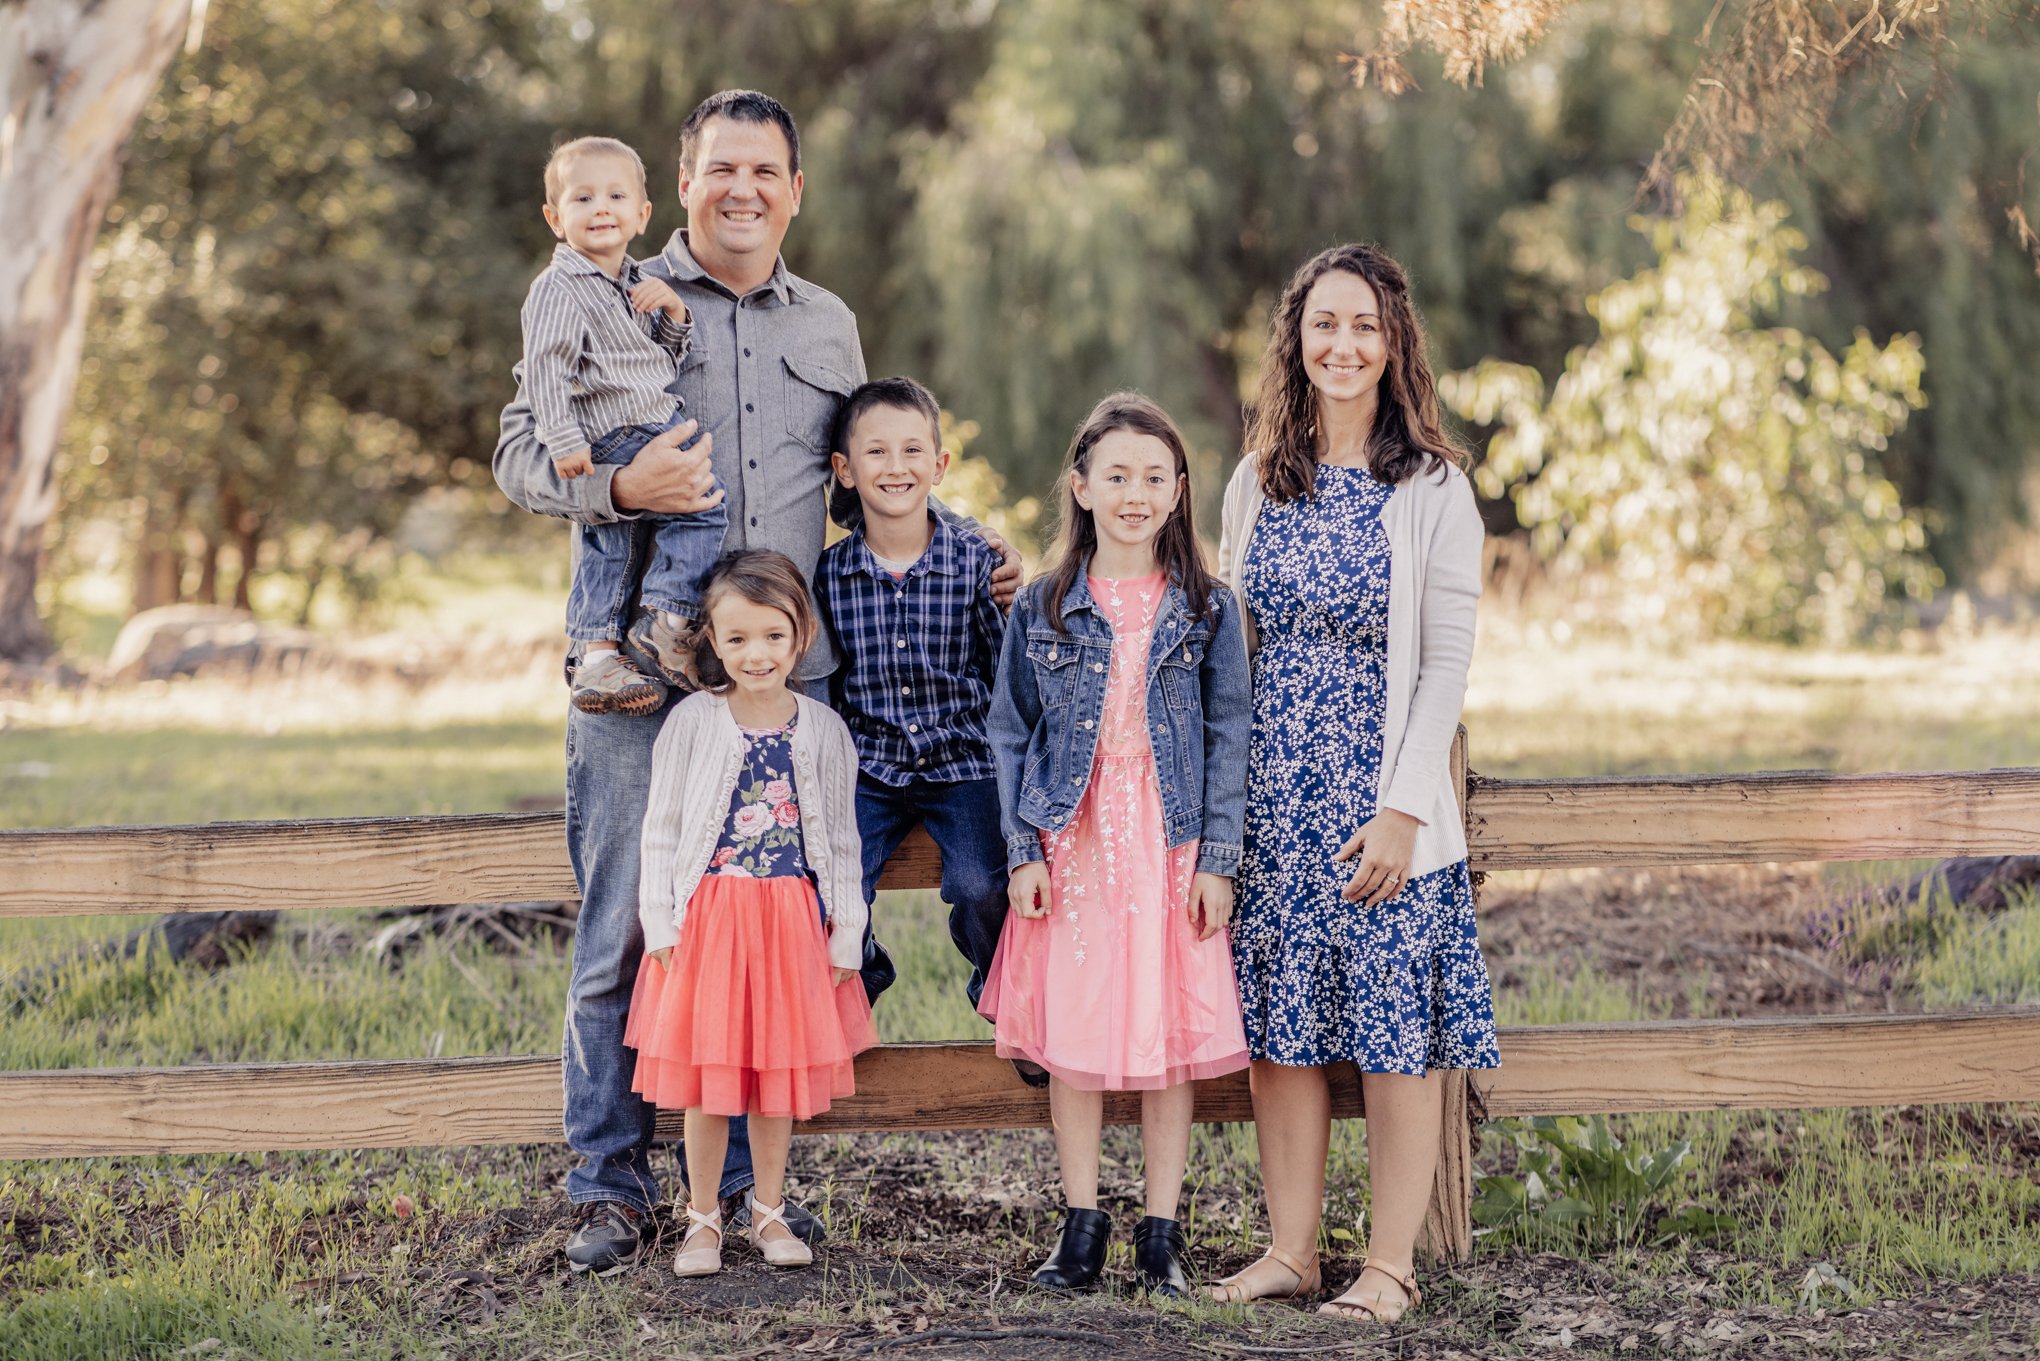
[1385, 844]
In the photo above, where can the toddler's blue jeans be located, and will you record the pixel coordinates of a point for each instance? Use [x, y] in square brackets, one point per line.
[673, 552]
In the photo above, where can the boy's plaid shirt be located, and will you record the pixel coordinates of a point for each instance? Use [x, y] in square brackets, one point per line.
[920, 654]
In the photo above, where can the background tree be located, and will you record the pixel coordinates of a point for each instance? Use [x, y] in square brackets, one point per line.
[1722, 473]
[72, 78]
[311, 276]
[297, 327]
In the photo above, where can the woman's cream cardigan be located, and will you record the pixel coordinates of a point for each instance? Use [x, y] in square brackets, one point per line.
[695, 764]
[1434, 543]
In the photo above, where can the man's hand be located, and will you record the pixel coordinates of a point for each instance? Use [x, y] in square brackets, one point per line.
[656, 295]
[580, 463]
[666, 479]
[1006, 576]
[1211, 904]
[1027, 890]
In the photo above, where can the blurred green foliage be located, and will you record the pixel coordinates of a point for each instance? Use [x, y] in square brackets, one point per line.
[310, 283]
[1725, 473]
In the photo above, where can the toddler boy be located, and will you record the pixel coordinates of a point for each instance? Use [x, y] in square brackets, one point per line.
[602, 339]
[909, 602]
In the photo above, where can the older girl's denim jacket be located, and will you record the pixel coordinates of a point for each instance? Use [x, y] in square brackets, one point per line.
[1050, 698]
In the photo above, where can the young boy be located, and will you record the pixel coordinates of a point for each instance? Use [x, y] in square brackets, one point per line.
[909, 602]
[601, 342]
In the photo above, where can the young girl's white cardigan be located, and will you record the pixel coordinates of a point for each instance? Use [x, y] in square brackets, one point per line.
[1434, 539]
[694, 772]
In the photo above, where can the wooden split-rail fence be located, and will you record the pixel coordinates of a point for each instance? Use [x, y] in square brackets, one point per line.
[1982, 1056]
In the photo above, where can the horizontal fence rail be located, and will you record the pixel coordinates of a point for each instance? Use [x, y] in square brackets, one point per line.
[1779, 1063]
[1546, 1070]
[1511, 824]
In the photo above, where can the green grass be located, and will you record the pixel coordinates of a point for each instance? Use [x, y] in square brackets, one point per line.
[70, 778]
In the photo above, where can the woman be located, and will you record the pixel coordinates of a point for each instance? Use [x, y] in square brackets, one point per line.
[1351, 537]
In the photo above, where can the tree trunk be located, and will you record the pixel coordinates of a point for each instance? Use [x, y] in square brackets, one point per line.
[73, 79]
[159, 565]
[245, 528]
[209, 571]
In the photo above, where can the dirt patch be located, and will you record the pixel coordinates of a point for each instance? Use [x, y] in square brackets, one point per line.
[1719, 940]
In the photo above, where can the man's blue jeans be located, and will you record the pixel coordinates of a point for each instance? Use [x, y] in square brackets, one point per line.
[664, 566]
[963, 818]
[609, 773]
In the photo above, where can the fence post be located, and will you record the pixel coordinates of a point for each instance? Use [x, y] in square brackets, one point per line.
[1447, 1235]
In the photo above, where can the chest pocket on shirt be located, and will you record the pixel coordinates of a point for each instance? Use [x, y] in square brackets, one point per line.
[813, 393]
[687, 380]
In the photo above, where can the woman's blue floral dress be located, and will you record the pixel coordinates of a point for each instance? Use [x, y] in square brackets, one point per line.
[1400, 988]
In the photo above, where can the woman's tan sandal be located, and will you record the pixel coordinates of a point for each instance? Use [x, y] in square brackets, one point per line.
[706, 1259]
[1375, 1307]
[787, 1251]
[1235, 1289]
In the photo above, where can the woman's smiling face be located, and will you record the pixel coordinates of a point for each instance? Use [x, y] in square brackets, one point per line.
[1344, 341]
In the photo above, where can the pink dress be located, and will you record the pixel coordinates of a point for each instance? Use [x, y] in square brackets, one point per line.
[1112, 990]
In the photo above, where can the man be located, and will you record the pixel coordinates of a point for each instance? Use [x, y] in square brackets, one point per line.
[773, 357]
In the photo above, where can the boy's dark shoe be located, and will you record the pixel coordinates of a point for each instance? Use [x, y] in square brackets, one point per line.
[608, 1236]
[1079, 1255]
[878, 972]
[736, 1213]
[1031, 1073]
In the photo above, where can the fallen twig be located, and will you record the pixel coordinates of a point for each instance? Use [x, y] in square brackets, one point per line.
[1350, 1345]
[983, 1335]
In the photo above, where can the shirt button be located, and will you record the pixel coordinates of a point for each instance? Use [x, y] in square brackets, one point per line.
[754, 463]
[899, 642]
[747, 352]
[913, 727]
[754, 522]
[1095, 666]
[749, 407]
[1087, 723]
[906, 689]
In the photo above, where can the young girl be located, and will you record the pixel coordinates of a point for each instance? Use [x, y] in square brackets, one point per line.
[748, 1001]
[1119, 729]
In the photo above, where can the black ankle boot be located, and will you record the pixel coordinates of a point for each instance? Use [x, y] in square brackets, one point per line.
[1079, 1254]
[1158, 1249]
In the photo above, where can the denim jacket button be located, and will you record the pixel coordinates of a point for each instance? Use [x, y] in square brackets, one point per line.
[1097, 666]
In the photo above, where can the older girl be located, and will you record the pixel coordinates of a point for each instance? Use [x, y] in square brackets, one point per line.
[1352, 537]
[1119, 727]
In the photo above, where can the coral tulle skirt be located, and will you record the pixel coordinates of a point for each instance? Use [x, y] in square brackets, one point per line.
[746, 1021]
[1112, 990]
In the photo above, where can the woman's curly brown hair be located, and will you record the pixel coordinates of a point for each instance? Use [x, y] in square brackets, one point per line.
[1408, 436]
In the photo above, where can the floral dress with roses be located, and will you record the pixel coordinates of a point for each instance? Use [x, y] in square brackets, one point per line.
[745, 1018]
[1398, 988]
[761, 835]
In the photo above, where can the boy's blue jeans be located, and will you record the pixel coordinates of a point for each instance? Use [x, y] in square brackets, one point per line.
[674, 562]
[963, 818]
[609, 775]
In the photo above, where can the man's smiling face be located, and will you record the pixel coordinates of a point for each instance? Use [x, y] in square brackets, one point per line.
[741, 192]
